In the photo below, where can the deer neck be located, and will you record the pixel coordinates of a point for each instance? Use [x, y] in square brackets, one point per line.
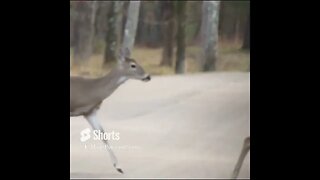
[110, 82]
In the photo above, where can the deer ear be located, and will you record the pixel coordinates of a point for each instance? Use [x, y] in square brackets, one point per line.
[125, 52]
[121, 56]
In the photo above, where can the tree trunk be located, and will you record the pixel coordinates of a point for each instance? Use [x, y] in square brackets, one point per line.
[131, 25]
[168, 33]
[210, 16]
[83, 30]
[181, 36]
[113, 33]
[144, 25]
[72, 17]
[221, 16]
[101, 25]
[155, 26]
[246, 40]
[140, 34]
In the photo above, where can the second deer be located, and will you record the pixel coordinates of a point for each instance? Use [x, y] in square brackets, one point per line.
[243, 154]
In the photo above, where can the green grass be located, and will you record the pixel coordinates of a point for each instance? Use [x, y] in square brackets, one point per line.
[230, 58]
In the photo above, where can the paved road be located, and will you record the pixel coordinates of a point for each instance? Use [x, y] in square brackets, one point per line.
[171, 127]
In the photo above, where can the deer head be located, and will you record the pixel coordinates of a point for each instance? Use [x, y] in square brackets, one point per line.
[129, 68]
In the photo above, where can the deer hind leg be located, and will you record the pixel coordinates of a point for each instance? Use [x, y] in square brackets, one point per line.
[244, 152]
[95, 124]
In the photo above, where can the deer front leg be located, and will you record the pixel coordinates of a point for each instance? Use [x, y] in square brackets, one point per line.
[95, 124]
[244, 152]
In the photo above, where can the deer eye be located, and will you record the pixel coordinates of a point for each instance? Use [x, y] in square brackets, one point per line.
[133, 66]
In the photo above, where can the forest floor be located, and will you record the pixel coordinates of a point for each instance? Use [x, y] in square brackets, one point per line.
[175, 126]
[230, 58]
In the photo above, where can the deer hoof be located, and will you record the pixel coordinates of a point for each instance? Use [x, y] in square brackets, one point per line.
[120, 170]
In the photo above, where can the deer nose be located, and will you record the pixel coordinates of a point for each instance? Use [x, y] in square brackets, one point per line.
[148, 78]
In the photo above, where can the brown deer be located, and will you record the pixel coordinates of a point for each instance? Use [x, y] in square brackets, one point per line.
[86, 95]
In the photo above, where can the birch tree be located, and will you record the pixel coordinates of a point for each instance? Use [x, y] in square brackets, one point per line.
[131, 25]
[210, 22]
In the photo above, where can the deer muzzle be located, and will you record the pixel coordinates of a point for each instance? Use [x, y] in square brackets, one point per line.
[147, 78]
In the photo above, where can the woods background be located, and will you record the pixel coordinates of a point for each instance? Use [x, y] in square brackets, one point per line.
[171, 36]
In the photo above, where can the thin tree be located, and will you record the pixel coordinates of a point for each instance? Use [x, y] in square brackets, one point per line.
[113, 34]
[72, 17]
[210, 23]
[168, 33]
[246, 40]
[131, 25]
[141, 35]
[181, 36]
[83, 30]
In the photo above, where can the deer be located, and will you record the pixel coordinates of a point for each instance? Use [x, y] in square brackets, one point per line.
[243, 154]
[87, 94]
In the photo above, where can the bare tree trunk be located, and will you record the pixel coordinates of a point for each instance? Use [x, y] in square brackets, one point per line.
[168, 33]
[84, 30]
[210, 16]
[113, 33]
[131, 25]
[140, 35]
[246, 40]
[221, 16]
[155, 27]
[101, 26]
[181, 37]
[72, 17]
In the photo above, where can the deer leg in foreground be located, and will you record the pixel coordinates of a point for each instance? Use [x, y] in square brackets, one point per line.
[94, 122]
[244, 152]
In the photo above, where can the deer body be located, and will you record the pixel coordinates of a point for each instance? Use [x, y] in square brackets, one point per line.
[86, 95]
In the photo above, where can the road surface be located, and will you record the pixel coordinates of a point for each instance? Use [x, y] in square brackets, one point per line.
[189, 126]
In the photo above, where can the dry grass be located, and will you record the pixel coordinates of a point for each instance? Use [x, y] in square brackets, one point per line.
[230, 59]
